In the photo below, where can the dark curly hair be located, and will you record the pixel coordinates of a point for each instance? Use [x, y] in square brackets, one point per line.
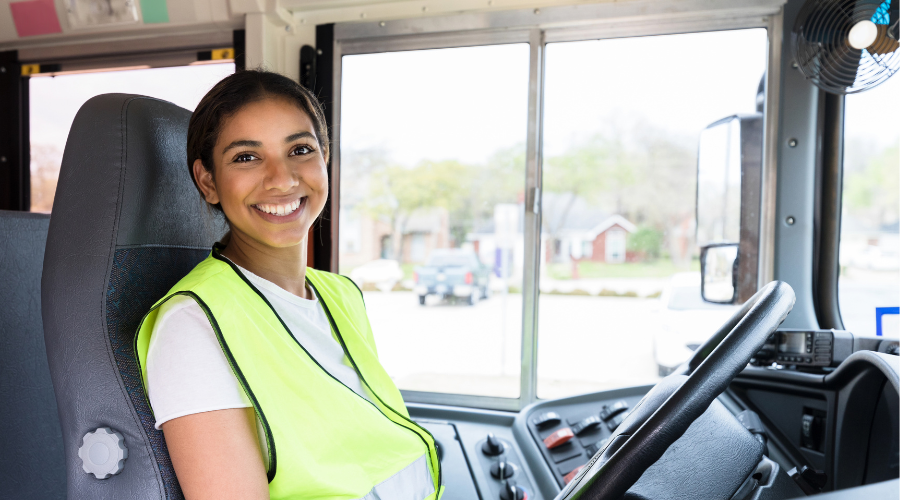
[233, 93]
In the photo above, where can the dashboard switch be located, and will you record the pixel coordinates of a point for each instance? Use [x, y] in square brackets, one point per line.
[585, 424]
[570, 476]
[614, 409]
[616, 421]
[512, 492]
[592, 449]
[502, 470]
[492, 446]
[546, 418]
[558, 438]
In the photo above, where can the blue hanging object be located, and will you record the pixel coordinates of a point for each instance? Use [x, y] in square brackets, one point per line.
[882, 15]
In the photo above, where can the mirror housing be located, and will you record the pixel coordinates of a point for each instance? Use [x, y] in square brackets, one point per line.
[729, 182]
[718, 273]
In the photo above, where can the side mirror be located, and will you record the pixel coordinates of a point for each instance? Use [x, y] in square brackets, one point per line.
[718, 273]
[729, 182]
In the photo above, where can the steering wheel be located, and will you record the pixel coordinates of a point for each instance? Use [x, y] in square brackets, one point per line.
[666, 412]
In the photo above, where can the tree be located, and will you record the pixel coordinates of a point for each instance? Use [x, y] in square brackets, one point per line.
[646, 241]
[598, 168]
[395, 192]
[643, 173]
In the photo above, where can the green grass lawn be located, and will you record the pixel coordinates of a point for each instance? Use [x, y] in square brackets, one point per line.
[659, 268]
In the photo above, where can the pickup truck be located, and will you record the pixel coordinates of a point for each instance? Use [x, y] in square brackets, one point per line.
[453, 273]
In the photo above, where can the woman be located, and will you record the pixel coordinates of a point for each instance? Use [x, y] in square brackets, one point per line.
[263, 374]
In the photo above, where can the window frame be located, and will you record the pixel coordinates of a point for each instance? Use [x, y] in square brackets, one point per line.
[538, 27]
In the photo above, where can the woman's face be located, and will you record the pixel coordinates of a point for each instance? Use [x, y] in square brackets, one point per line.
[269, 173]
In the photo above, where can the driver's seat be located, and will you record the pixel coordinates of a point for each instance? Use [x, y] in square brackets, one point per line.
[127, 225]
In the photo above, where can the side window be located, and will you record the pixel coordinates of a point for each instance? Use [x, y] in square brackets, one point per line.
[868, 287]
[620, 284]
[54, 101]
[432, 173]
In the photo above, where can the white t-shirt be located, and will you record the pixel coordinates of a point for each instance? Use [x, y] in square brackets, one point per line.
[187, 371]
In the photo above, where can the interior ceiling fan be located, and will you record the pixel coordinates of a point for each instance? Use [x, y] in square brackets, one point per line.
[847, 46]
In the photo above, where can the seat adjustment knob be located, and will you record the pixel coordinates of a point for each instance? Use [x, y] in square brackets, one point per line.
[103, 452]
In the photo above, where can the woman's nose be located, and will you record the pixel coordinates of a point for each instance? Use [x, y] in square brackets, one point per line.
[280, 176]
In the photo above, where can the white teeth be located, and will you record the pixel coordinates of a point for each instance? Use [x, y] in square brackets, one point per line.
[280, 210]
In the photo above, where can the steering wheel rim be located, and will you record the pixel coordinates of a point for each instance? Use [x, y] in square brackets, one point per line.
[710, 370]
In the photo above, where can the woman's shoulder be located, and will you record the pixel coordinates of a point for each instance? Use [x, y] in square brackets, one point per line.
[332, 280]
[209, 269]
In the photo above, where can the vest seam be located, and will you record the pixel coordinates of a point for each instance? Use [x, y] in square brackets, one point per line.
[357, 289]
[363, 379]
[286, 329]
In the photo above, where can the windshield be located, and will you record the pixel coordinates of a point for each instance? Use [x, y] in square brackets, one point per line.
[617, 207]
[424, 182]
[868, 290]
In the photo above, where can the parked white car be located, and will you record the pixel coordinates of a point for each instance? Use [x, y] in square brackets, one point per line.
[383, 273]
[876, 258]
[686, 321]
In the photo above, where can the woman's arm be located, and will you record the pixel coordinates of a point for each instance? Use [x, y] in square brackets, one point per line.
[216, 455]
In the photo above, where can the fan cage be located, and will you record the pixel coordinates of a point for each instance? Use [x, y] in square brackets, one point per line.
[823, 53]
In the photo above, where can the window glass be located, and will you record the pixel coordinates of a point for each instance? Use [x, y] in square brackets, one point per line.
[620, 284]
[869, 284]
[54, 101]
[432, 169]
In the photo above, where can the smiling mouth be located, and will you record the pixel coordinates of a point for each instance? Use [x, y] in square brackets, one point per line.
[280, 210]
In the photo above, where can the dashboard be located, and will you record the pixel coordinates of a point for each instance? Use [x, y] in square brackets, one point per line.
[477, 446]
[839, 421]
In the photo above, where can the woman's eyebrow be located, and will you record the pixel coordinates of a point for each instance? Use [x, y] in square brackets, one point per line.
[299, 135]
[242, 143]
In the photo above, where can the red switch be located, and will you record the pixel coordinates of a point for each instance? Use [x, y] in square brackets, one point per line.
[558, 438]
[570, 476]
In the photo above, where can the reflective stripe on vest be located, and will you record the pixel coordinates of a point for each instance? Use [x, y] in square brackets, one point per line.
[324, 440]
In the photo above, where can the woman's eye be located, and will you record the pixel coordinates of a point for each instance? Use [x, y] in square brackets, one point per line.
[244, 157]
[302, 150]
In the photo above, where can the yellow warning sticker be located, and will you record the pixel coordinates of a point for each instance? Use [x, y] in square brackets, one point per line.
[223, 54]
[30, 69]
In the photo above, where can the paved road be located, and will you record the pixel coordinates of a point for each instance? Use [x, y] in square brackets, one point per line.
[585, 343]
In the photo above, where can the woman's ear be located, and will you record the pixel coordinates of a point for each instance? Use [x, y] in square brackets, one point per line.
[204, 180]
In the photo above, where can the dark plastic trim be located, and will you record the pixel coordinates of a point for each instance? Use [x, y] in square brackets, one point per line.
[324, 233]
[827, 220]
[15, 145]
[238, 41]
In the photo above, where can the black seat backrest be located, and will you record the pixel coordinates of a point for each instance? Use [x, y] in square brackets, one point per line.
[31, 446]
[127, 225]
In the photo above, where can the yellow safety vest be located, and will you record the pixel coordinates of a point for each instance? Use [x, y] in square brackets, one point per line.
[324, 440]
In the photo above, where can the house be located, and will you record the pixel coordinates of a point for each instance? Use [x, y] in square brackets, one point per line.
[575, 229]
[572, 229]
[607, 241]
[364, 238]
